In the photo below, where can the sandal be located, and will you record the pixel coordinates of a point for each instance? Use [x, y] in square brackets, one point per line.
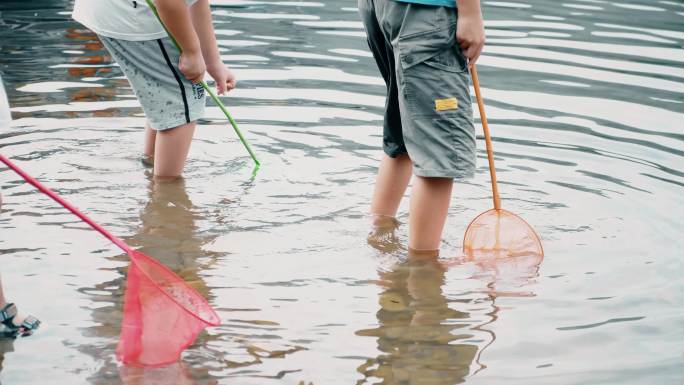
[9, 329]
[7, 314]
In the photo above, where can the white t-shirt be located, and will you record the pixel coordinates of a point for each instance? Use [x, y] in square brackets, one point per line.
[120, 19]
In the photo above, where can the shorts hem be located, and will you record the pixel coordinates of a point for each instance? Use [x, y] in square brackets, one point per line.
[167, 125]
[394, 154]
[453, 174]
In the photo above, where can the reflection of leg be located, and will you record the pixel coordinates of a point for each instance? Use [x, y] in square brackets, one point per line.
[170, 195]
[148, 149]
[171, 149]
[176, 373]
[430, 199]
[168, 230]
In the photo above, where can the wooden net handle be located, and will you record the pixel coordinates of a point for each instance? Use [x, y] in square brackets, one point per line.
[488, 139]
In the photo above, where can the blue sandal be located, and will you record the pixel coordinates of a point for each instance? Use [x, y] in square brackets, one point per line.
[9, 329]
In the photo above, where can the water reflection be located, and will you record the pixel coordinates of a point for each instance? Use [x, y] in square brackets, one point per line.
[175, 374]
[586, 110]
[505, 276]
[167, 232]
[6, 346]
[424, 339]
[429, 336]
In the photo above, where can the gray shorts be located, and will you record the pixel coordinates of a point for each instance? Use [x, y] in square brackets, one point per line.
[428, 112]
[167, 97]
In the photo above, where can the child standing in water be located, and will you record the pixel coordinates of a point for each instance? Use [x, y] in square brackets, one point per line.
[423, 49]
[165, 81]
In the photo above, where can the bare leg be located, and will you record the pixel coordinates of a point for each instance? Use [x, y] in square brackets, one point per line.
[19, 318]
[171, 150]
[430, 200]
[148, 149]
[150, 137]
[3, 301]
[393, 178]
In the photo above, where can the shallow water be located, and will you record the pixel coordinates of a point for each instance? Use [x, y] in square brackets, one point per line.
[585, 102]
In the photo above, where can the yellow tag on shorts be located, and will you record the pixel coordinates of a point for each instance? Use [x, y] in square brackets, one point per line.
[446, 104]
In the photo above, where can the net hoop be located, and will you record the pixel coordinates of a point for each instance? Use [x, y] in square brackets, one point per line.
[214, 321]
[468, 251]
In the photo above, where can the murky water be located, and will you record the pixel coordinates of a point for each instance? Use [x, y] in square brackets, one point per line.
[585, 100]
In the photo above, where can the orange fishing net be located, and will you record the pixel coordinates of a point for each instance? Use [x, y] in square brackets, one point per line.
[497, 233]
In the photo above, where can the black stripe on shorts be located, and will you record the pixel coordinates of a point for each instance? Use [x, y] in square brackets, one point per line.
[178, 79]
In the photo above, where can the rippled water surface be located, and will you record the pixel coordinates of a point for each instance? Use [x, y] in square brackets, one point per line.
[585, 101]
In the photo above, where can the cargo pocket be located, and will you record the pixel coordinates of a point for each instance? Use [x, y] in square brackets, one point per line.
[434, 74]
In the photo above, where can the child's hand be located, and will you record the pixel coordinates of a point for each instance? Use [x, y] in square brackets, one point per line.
[192, 66]
[223, 76]
[470, 34]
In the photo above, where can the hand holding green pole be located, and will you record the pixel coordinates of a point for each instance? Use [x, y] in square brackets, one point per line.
[213, 96]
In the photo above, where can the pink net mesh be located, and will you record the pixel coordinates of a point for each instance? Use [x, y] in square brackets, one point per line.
[500, 234]
[162, 314]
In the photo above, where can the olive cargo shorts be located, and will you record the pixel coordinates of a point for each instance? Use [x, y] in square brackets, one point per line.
[428, 111]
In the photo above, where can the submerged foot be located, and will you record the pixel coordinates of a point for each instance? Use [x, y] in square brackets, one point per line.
[423, 253]
[382, 236]
[147, 160]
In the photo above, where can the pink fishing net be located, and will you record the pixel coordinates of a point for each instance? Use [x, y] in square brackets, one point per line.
[162, 314]
[500, 234]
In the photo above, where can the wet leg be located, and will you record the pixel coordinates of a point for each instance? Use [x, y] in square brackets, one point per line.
[430, 198]
[171, 150]
[3, 301]
[2, 296]
[148, 147]
[19, 318]
[393, 178]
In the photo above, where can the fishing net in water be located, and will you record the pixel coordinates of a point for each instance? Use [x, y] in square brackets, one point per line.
[162, 314]
[500, 234]
[497, 233]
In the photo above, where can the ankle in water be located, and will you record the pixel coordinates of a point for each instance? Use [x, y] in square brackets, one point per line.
[422, 253]
[384, 221]
[147, 160]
